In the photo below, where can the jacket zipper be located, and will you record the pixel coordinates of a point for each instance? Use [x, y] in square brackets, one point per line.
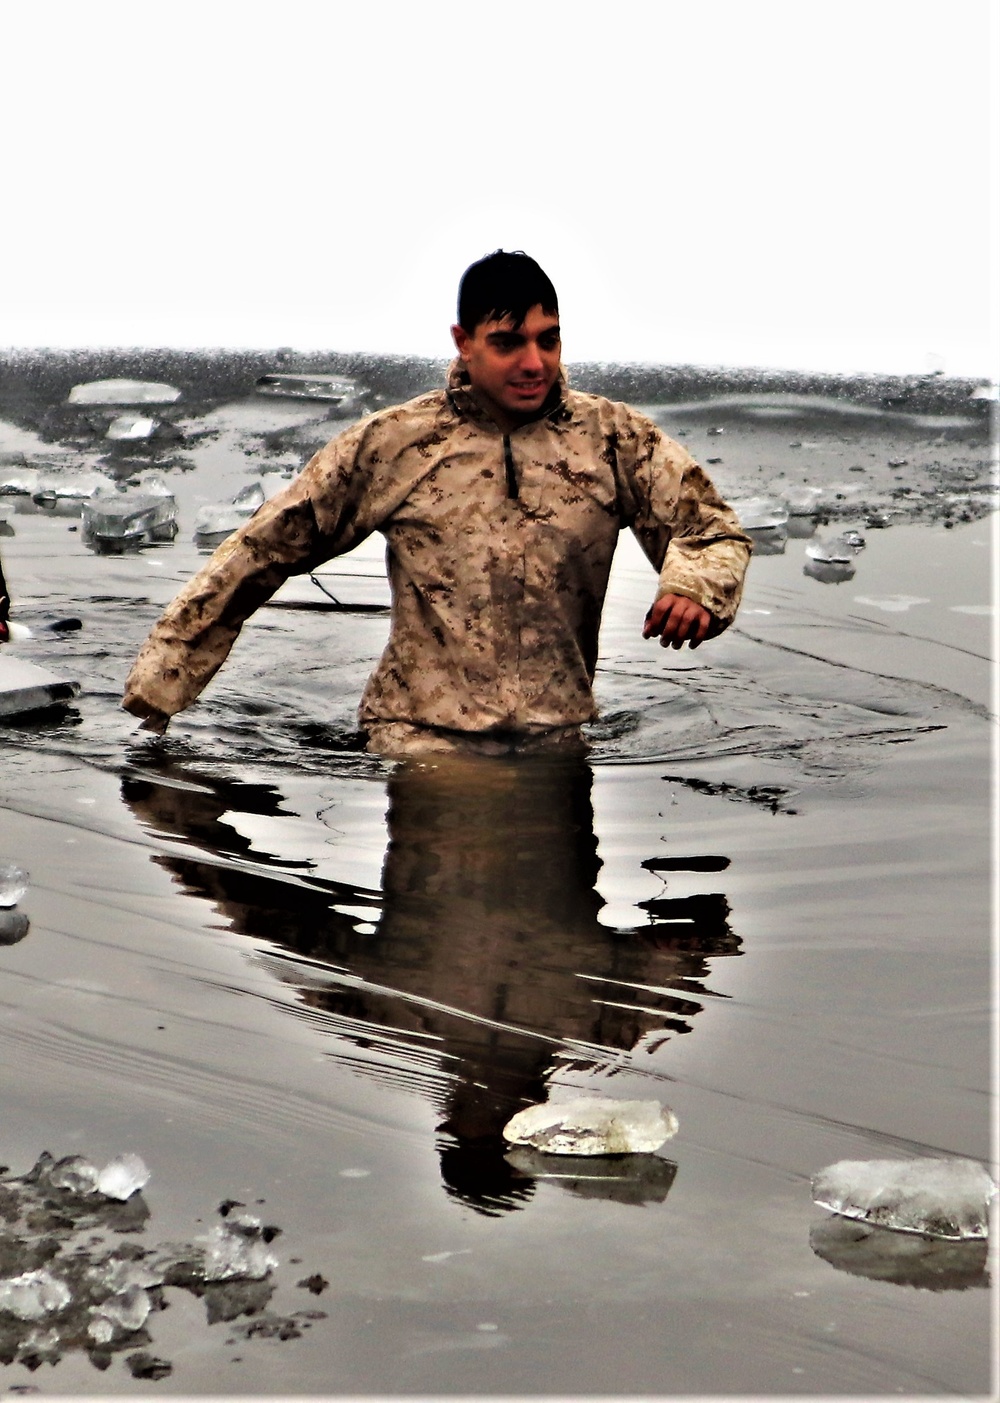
[508, 462]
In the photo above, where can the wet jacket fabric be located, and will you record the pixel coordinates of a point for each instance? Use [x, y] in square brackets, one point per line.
[499, 547]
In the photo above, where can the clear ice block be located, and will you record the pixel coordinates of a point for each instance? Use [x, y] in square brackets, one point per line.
[947, 1198]
[122, 1313]
[122, 1177]
[74, 1173]
[33, 1295]
[13, 883]
[237, 1252]
[592, 1126]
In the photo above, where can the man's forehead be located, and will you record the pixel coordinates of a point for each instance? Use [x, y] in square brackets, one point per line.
[535, 317]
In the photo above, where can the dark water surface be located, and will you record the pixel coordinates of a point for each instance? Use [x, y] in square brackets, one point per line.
[290, 974]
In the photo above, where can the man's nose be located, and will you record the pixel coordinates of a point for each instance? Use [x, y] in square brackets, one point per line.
[530, 360]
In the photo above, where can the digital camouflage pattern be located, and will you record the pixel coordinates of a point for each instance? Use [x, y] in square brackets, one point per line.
[499, 551]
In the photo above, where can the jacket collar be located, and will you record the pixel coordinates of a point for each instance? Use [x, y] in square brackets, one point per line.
[466, 403]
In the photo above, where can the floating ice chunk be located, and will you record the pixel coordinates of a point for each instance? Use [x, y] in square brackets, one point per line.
[116, 1275]
[237, 1251]
[13, 883]
[592, 1126]
[74, 1173]
[223, 518]
[803, 501]
[124, 1312]
[839, 551]
[134, 518]
[130, 426]
[891, 603]
[33, 1295]
[759, 513]
[123, 392]
[946, 1198]
[122, 1177]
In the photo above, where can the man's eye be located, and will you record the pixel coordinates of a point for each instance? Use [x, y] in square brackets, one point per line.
[548, 343]
[503, 343]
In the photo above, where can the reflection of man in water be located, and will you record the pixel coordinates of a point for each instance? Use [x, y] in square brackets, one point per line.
[4, 608]
[489, 967]
[501, 498]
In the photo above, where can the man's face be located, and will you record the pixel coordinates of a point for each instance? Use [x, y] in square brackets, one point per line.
[514, 367]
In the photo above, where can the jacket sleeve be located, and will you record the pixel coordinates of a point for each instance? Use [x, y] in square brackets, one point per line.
[689, 534]
[318, 515]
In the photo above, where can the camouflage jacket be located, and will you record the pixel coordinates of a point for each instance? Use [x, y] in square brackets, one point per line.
[499, 547]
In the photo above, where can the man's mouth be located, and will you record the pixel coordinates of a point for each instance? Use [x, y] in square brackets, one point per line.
[527, 387]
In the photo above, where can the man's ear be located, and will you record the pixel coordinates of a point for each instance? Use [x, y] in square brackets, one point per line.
[461, 339]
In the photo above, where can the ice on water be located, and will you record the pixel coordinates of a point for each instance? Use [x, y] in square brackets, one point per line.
[122, 1177]
[13, 883]
[592, 1126]
[946, 1198]
[124, 1313]
[33, 1295]
[839, 551]
[222, 518]
[761, 513]
[74, 1173]
[236, 1249]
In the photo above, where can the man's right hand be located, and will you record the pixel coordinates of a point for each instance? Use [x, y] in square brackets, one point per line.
[156, 721]
[152, 719]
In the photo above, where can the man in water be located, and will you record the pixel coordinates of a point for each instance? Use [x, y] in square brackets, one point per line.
[501, 498]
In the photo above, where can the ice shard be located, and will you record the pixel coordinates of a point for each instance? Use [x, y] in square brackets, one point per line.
[947, 1198]
[218, 520]
[592, 1126]
[127, 520]
[33, 1295]
[122, 1177]
[13, 883]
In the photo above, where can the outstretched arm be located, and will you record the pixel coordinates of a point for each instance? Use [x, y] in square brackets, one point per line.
[314, 518]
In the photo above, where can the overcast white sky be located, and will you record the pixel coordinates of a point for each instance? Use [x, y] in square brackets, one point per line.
[790, 183]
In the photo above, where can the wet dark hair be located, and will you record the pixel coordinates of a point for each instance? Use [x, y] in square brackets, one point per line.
[503, 285]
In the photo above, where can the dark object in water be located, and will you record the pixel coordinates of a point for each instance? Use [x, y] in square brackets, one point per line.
[14, 926]
[146, 1366]
[65, 625]
[686, 864]
[635, 1179]
[929, 1264]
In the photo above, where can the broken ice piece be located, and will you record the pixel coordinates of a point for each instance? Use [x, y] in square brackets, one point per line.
[123, 1313]
[13, 883]
[592, 1126]
[839, 551]
[241, 1254]
[74, 1173]
[946, 1198]
[122, 1177]
[33, 1294]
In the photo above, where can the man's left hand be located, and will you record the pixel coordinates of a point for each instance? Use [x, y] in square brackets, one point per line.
[676, 620]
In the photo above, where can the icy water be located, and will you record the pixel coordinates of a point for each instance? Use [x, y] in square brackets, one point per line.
[292, 975]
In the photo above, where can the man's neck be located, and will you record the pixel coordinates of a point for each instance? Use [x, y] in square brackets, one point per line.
[505, 421]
